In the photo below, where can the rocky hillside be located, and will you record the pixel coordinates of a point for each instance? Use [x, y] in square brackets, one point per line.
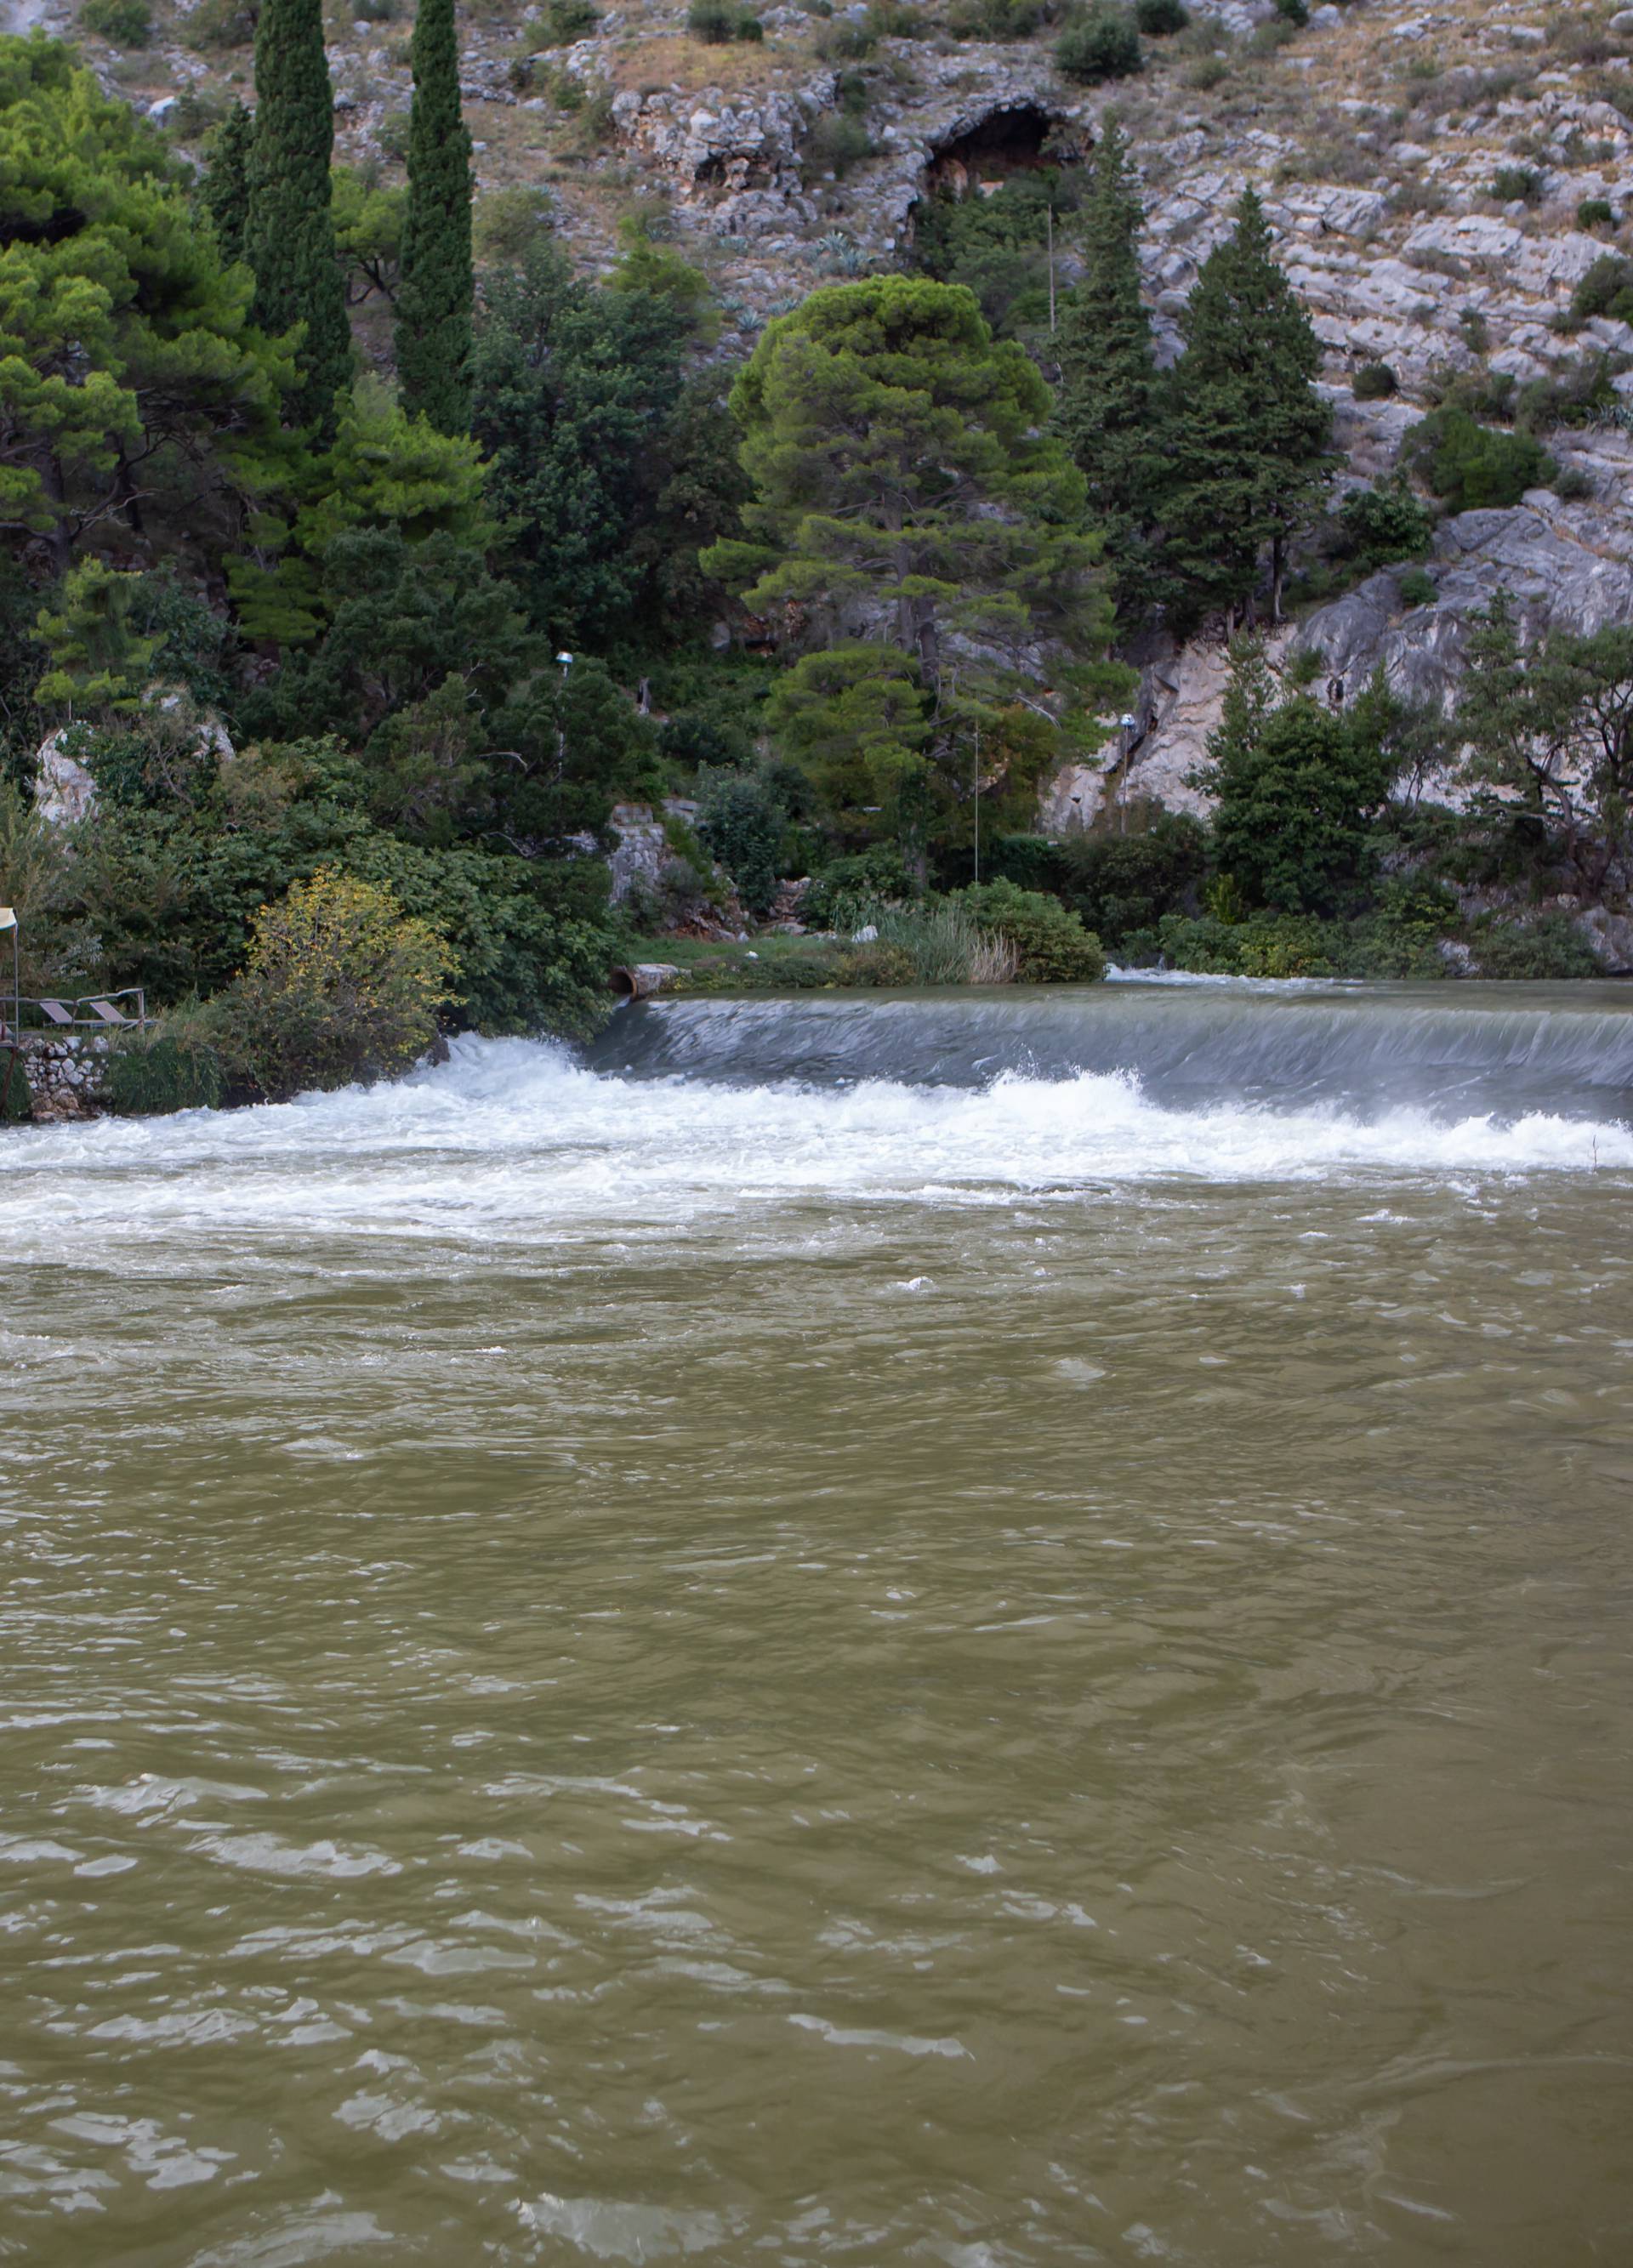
[1433, 173]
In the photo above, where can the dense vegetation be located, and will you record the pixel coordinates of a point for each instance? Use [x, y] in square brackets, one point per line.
[343, 649]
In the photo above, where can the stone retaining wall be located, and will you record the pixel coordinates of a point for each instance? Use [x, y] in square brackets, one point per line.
[66, 1077]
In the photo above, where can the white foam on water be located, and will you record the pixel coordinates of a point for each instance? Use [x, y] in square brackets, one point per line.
[512, 1138]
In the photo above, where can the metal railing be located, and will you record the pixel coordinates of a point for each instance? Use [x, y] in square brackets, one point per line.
[22, 1020]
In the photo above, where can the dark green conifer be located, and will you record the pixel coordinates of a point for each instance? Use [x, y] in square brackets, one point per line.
[434, 298]
[225, 193]
[290, 238]
[1246, 432]
[1110, 391]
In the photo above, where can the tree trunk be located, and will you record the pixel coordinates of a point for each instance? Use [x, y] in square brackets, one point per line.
[57, 538]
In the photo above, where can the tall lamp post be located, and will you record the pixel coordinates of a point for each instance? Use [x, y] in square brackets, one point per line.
[564, 662]
[8, 920]
[976, 798]
[13, 1032]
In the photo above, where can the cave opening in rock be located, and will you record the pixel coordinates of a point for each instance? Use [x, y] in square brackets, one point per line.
[1008, 141]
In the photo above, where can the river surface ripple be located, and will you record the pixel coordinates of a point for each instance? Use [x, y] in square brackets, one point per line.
[605, 1669]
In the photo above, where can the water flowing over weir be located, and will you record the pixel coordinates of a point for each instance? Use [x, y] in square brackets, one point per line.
[979, 1629]
[1503, 1048]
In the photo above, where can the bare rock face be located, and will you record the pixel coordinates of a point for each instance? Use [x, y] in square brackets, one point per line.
[1550, 561]
[64, 791]
[1565, 568]
[1180, 704]
[640, 852]
[732, 161]
[1611, 937]
[211, 739]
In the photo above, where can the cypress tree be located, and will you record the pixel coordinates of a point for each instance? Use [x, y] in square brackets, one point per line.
[289, 237]
[225, 190]
[1107, 408]
[434, 298]
[1246, 433]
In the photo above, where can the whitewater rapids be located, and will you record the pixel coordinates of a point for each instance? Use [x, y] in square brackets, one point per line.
[690, 1111]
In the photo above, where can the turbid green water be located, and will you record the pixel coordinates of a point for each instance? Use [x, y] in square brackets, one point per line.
[762, 1666]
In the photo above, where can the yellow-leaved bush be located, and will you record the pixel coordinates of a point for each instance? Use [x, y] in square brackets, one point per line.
[340, 985]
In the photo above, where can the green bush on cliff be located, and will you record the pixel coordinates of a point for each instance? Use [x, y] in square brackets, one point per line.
[1475, 467]
[122, 23]
[1101, 45]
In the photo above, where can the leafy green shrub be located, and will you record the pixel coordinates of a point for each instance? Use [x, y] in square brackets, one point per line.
[1548, 947]
[1207, 73]
[846, 40]
[1473, 468]
[222, 24]
[744, 824]
[1596, 212]
[1284, 944]
[897, 20]
[1606, 290]
[1476, 333]
[1054, 946]
[125, 23]
[17, 1102]
[1033, 861]
[886, 966]
[1578, 395]
[692, 741]
[339, 985]
[1294, 12]
[1001, 20]
[1386, 523]
[564, 21]
[1375, 381]
[529, 954]
[1418, 589]
[1517, 185]
[1574, 485]
[1486, 393]
[506, 222]
[836, 141]
[1122, 884]
[1401, 938]
[714, 22]
[1158, 18]
[392, 134]
[868, 876]
[176, 1066]
[1100, 45]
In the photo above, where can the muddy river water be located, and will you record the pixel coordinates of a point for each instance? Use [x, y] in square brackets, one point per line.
[968, 1630]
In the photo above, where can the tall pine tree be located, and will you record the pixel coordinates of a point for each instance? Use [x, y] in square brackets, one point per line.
[1246, 434]
[434, 298]
[226, 189]
[1109, 391]
[290, 234]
